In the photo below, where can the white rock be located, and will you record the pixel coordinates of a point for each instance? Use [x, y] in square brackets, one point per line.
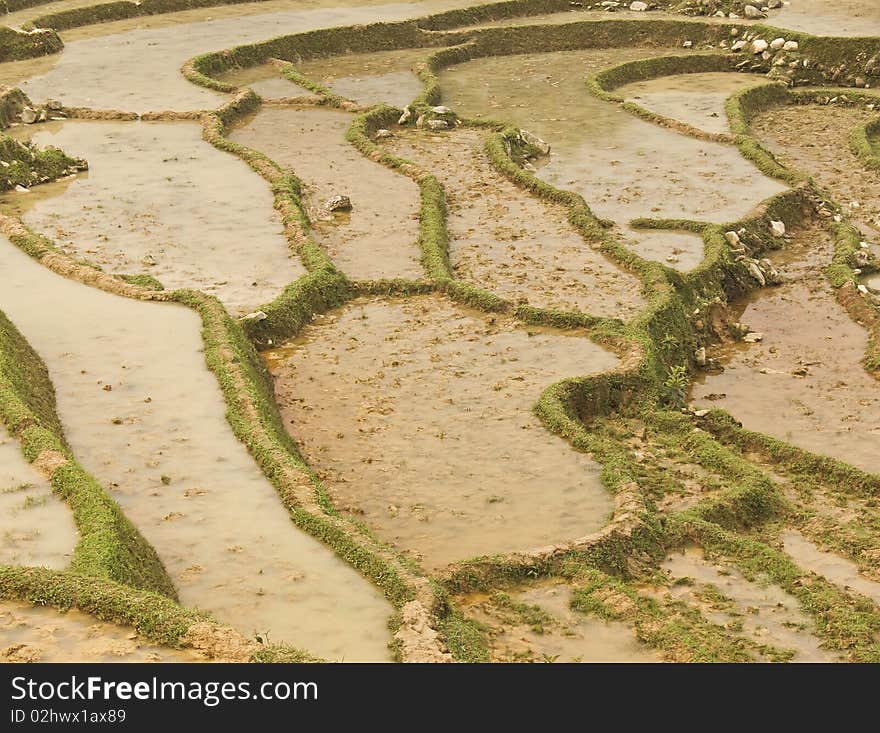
[778, 228]
[759, 45]
[441, 110]
[21, 189]
[700, 356]
[777, 43]
[529, 138]
[752, 12]
[732, 238]
[338, 203]
[383, 134]
[406, 116]
[701, 413]
[790, 46]
[638, 5]
[756, 273]
[438, 125]
[863, 289]
[774, 4]
[739, 45]
[753, 337]
[29, 115]
[687, 44]
[255, 316]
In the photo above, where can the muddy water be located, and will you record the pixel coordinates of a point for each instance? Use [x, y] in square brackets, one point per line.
[825, 153]
[160, 200]
[838, 18]
[378, 238]
[804, 384]
[137, 66]
[39, 634]
[265, 80]
[418, 415]
[623, 166]
[767, 613]
[179, 474]
[575, 15]
[681, 251]
[371, 78]
[510, 243]
[696, 99]
[833, 567]
[36, 528]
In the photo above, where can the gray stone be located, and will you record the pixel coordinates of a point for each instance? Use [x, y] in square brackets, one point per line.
[778, 228]
[29, 115]
[530, 138]
[438, 124]
[338, 203]
[638, 5]
[383, 134]
[759, 45]
[790, 46]
[777, 43]
[753, 13]
[406, 116]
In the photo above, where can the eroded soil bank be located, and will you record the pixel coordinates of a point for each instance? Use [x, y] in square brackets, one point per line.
[803, 382]
[159, 200]
[508, 242]
[417, 413]
[40, 634]
[370, 78]
[36, 527]
[122, 369]
[623, 166]
[378, 238]
[695, 99]
[824, 153]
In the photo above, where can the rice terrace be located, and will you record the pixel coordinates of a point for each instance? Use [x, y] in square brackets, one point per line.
[359, 330]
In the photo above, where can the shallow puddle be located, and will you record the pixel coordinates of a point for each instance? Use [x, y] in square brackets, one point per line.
[122, 370]
[418, 415]
[378, 238]
[825, 154]
[40, 634]
[804, 382]
[511, 243]
[623, 166]
[265, 80]
[762, 612]
[681, 251]
[159, 200]
[834, 568]
[695, 99]
[134, 67]
[823, 18]
[371, 78]
[36, 527]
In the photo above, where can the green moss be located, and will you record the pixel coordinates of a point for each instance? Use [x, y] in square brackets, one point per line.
[16, 45]
[465, 638]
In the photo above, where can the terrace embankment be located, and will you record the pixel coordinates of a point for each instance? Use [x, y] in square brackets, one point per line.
[122, 369]
[417, 413]
[511, 243]
[378, 237]
[161, 201]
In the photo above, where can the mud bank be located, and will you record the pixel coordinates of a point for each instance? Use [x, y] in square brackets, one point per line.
[122, 369]
[825, 153]
[623, 166]
[161, 201]
[370, 78]
[137, 68]
[510, 243]
[40, 634]
[417, 413]
[759, 611]
[378, 237]
[265, 80]
[804, 383]
[36, 528]
[695, 99]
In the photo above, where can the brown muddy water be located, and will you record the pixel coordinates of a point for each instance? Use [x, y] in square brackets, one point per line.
[566, 637]
[831, 566]
[379, 237]
[823, 18]
[122, 370]
[767, 614]
[506, 241]
[825, 154]
[417, 414]
[265, 80]
[159, 200]
[40, 634]
[36, 527]
[804, 382]
[695, 99]
[623, 166]
[371, 78]
[135, 67]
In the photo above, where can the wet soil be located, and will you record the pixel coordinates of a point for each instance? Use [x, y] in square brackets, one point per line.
[825, 154]
[265, 80]
[40, 634]
[417, 414]
[159, 200]
[370, 78]
[803, 384]
[379, 237]
[695, 99]
[840, 18]
[122, 370]
[36, 527]
[511, 243]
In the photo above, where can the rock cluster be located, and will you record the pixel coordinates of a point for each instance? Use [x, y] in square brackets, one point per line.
[52, 110]
[761, 270]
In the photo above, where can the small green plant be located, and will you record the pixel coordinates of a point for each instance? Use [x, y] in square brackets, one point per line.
[675, 387]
